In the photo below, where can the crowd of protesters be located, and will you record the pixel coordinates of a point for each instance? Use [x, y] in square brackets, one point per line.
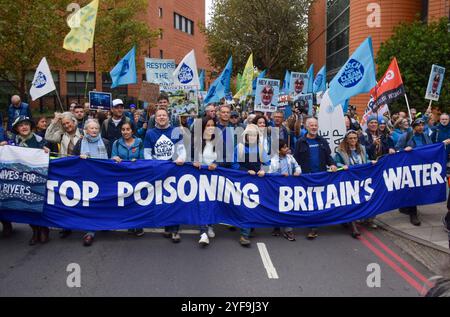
[255, 142]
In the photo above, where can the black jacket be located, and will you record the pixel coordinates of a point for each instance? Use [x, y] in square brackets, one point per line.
[111, 132]
[302, 154]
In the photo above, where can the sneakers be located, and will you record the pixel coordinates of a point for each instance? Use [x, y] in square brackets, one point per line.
[244, 241]
[176, 238]
[211, 233]
[88, 240]
[139, 232]
[276, 232]
[289, 235]
[312, 235]
[414, 219]
[204, 240]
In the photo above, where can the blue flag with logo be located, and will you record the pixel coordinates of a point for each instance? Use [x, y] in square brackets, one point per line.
[221, 86]
[310, 78]
[286, 82]
[124, 72]
[357, 76]
[202, 80]
[320, 80]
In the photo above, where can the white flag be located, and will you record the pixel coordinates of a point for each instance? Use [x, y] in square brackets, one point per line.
[185, 77]
[43, 81]
[331, 122]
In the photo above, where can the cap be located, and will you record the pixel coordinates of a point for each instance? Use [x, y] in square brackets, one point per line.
[381, 121]
[21, 119]
[418, 122]
[132, 106]
[117, 102]
[234, 114]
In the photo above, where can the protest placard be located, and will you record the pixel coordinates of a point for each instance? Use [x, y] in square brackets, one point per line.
[267, 94]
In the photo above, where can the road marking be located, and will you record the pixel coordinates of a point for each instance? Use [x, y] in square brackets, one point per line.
[397, 257]
[393, 265]
[271, 271]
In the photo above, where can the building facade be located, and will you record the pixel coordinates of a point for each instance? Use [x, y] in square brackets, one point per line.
[179, 24]
[338, 27]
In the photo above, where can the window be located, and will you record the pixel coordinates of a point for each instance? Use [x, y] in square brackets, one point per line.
[80, 83]
[161, 54]
[160, 12]
[338, 26]
[183, 24]
[160, 34]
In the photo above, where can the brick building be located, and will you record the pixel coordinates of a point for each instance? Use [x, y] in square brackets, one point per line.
[179, 22]
[337, 28]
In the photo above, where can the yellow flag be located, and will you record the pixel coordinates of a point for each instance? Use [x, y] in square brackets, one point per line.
[82, 23]
[247, 80]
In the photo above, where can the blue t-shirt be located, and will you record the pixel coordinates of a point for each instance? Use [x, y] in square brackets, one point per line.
[314, 157]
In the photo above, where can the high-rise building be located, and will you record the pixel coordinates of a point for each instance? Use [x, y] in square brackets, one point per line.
[338, 27]
[179, 24]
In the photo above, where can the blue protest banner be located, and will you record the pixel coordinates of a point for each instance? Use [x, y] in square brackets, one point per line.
[154, 194]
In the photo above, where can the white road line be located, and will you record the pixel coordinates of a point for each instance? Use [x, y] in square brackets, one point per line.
[271, 271]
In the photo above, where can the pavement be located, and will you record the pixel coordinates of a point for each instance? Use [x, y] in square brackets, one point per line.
[118, 264]
[431, 233]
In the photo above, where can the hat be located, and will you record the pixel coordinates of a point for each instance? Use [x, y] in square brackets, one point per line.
[234, 114]
[381, 121]
[22, 119]
[372, 118]
[132, 106]
[418, 122]
[117, 102]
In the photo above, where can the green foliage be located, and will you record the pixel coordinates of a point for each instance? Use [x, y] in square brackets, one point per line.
[29, 31]
[119, 27]
[417, 47]
[275, 31]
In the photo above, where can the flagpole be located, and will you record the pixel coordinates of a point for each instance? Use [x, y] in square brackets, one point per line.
[409, 109]
[59, 100]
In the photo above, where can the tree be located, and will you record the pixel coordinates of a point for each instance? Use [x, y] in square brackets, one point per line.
[417, 46]
[119, 28]
[29, 31]
[274, 31]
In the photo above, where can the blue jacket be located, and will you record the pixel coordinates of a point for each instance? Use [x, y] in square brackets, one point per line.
[441, 134]
[408, 140]
[135, 152]
[244, 156]
[302, 154]
[14, 113]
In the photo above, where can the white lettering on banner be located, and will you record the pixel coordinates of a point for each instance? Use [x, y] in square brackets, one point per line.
[312, 198]
[214, 188]
[413, 176]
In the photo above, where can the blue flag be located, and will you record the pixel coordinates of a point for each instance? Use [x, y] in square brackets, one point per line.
[286, 82]
[310, 78]
[202, 80]
[357, 76]
[320, 83]
[221, 86]
[125, 71]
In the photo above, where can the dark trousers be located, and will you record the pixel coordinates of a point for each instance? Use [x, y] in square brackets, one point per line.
[409, 210]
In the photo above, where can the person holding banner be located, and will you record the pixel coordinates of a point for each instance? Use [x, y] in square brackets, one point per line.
[207, 156]
[313, 154]
[162, 143]
[128, 148]
[401, 127]
[92, 145]
[264, 133]
[285, 164]
[22, 127]
[250, 156]
[408, 142]
[351, 153]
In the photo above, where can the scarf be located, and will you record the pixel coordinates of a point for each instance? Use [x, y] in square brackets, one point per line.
[93, 147]
[22, 141]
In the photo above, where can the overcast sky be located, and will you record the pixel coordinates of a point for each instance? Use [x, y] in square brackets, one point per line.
[208, 4]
